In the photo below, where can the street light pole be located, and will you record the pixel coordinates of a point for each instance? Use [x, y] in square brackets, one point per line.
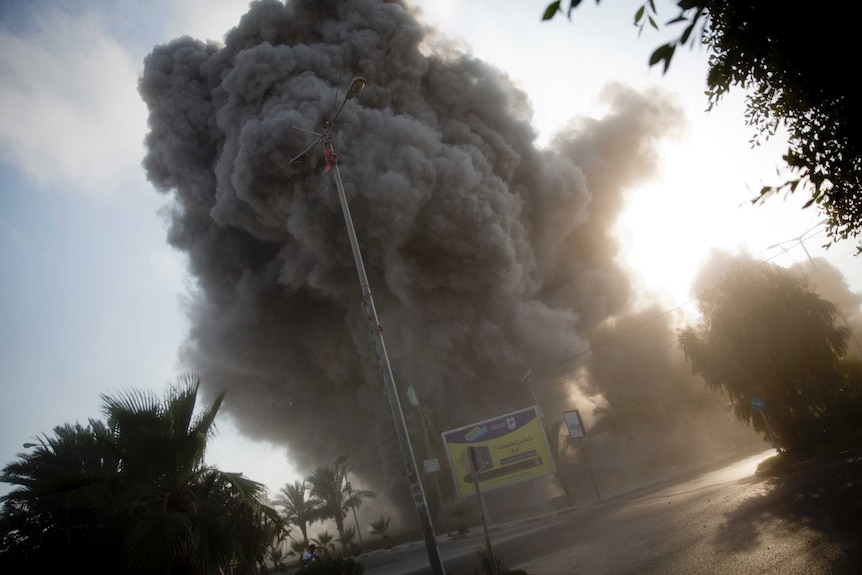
[537, 488]
[416, 488]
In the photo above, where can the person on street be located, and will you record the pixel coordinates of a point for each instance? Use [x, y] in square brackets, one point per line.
[308, 556]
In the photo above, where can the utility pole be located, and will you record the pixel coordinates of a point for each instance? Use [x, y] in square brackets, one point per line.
[376, 329]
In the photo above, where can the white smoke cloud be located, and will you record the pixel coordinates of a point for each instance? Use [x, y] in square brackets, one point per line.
[71, 114]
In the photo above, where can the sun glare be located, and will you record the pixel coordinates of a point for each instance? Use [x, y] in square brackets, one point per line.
[701, 201]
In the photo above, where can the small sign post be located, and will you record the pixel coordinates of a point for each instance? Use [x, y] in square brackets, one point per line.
[474, 466]
[758, 405]
[578, 431]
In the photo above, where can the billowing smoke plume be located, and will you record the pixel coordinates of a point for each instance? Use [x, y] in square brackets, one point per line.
[486, 255]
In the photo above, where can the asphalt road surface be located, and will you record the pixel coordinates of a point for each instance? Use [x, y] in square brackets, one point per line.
[726, 521]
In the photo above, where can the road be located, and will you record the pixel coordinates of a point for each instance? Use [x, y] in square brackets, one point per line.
[723, 521]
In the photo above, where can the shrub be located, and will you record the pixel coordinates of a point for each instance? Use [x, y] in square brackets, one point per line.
[484, 567]
[460, 512]
[333, 566]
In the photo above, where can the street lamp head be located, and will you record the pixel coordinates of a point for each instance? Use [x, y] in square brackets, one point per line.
[29, 445]
[357, 84]
[298, 160]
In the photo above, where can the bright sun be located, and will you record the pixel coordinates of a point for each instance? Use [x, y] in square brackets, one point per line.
[702, 201]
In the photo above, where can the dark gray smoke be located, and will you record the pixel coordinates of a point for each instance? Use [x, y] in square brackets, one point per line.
[486, 255]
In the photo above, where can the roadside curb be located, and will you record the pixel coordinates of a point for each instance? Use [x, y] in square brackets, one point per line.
[813, 462]
[606, 497]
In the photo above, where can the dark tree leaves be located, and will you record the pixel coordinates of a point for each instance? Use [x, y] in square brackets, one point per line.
[765, 332]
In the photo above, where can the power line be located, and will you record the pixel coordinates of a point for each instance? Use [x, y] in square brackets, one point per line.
[552, 366]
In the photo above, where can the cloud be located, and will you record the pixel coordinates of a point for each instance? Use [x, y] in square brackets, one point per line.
[71, 115]
[203, 19]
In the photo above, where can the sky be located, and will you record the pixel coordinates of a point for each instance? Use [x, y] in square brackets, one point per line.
[93, 299]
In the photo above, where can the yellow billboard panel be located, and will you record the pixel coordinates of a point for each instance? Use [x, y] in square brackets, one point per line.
[509, 449]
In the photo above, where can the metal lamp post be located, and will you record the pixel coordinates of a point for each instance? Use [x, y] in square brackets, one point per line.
[416, 488]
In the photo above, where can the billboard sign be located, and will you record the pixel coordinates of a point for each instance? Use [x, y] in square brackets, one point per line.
[509, 449]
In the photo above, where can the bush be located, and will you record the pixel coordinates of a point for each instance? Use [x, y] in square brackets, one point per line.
[484, 567]
[460, 512]
[774, 465]
[333, 566]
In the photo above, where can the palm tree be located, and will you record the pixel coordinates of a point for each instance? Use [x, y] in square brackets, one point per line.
[460, 511]
[379, 527]
[138, 485]
[275, 550]
[297, 547]
[348, 537]
[298, 509]
[49, 520]
[176, 510]
[329, 486]
[276, 555]
[325, 542]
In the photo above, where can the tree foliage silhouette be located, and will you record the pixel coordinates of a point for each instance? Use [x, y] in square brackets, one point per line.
[766, 333]
[133, 495]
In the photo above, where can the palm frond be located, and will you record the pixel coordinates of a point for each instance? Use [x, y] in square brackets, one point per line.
[156, 541]
[179, 403]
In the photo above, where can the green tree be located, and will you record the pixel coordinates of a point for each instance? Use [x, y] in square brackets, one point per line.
[766, 333]
[379, 527]
[298, 509]
[297, 547]
[276, 555]
[325, 540]
[332, 490]
[50, 519]
[175, 510]
[278, 534]
[348, 537]
[789, 60]
[330, 565]
[460, 512]
[136, 490]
